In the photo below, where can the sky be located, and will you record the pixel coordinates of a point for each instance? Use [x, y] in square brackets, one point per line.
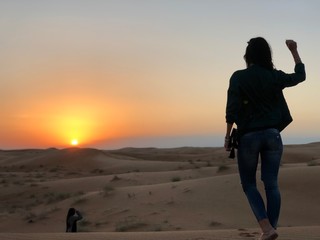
[143, 73]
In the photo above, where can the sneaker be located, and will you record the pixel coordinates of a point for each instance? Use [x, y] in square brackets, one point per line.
[271, 235]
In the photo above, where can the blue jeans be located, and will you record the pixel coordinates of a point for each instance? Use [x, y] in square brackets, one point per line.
[268, 145]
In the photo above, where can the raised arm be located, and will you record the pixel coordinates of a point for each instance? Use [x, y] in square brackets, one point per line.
[299, 75]
[292, 45]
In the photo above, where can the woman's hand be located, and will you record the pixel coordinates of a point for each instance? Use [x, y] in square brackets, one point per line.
[227, 139]
[292, 45]
[227, 143]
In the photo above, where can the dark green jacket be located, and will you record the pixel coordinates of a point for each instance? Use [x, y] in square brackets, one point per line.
[255, 99]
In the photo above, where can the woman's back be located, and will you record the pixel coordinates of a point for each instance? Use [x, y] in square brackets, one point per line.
[255, 95]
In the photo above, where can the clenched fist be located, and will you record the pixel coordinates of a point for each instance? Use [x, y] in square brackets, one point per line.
[292, 45]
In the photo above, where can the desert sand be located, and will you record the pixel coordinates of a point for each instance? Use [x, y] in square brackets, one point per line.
[148, 193]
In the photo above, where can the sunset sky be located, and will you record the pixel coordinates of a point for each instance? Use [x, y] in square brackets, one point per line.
[143, 73]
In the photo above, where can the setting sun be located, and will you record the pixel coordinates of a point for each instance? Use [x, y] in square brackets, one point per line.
[74, 142]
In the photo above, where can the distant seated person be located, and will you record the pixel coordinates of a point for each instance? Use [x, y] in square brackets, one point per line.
[72, 218]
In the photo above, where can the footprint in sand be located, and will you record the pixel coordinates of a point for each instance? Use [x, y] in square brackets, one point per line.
[244, 233]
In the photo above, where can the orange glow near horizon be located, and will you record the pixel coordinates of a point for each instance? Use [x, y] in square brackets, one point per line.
[61, 121]
[93, 117]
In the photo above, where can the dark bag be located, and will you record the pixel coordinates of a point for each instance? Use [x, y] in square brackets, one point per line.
[233, 142]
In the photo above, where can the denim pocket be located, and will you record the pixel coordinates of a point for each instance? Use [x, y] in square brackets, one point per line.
[273, 140]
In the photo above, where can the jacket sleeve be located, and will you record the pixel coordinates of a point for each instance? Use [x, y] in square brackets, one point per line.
[292, 79]
[233, 103]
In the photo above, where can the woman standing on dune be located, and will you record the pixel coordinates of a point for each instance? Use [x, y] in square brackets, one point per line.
[71, 221]
[256, 105]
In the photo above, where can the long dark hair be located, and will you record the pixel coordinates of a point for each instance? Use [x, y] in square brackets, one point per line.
[71, 212]
[258, 52]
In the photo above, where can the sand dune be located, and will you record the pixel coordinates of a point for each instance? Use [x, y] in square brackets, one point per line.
[186, 193]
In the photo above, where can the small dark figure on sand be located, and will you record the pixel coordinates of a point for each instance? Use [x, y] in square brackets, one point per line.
[72, 217]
